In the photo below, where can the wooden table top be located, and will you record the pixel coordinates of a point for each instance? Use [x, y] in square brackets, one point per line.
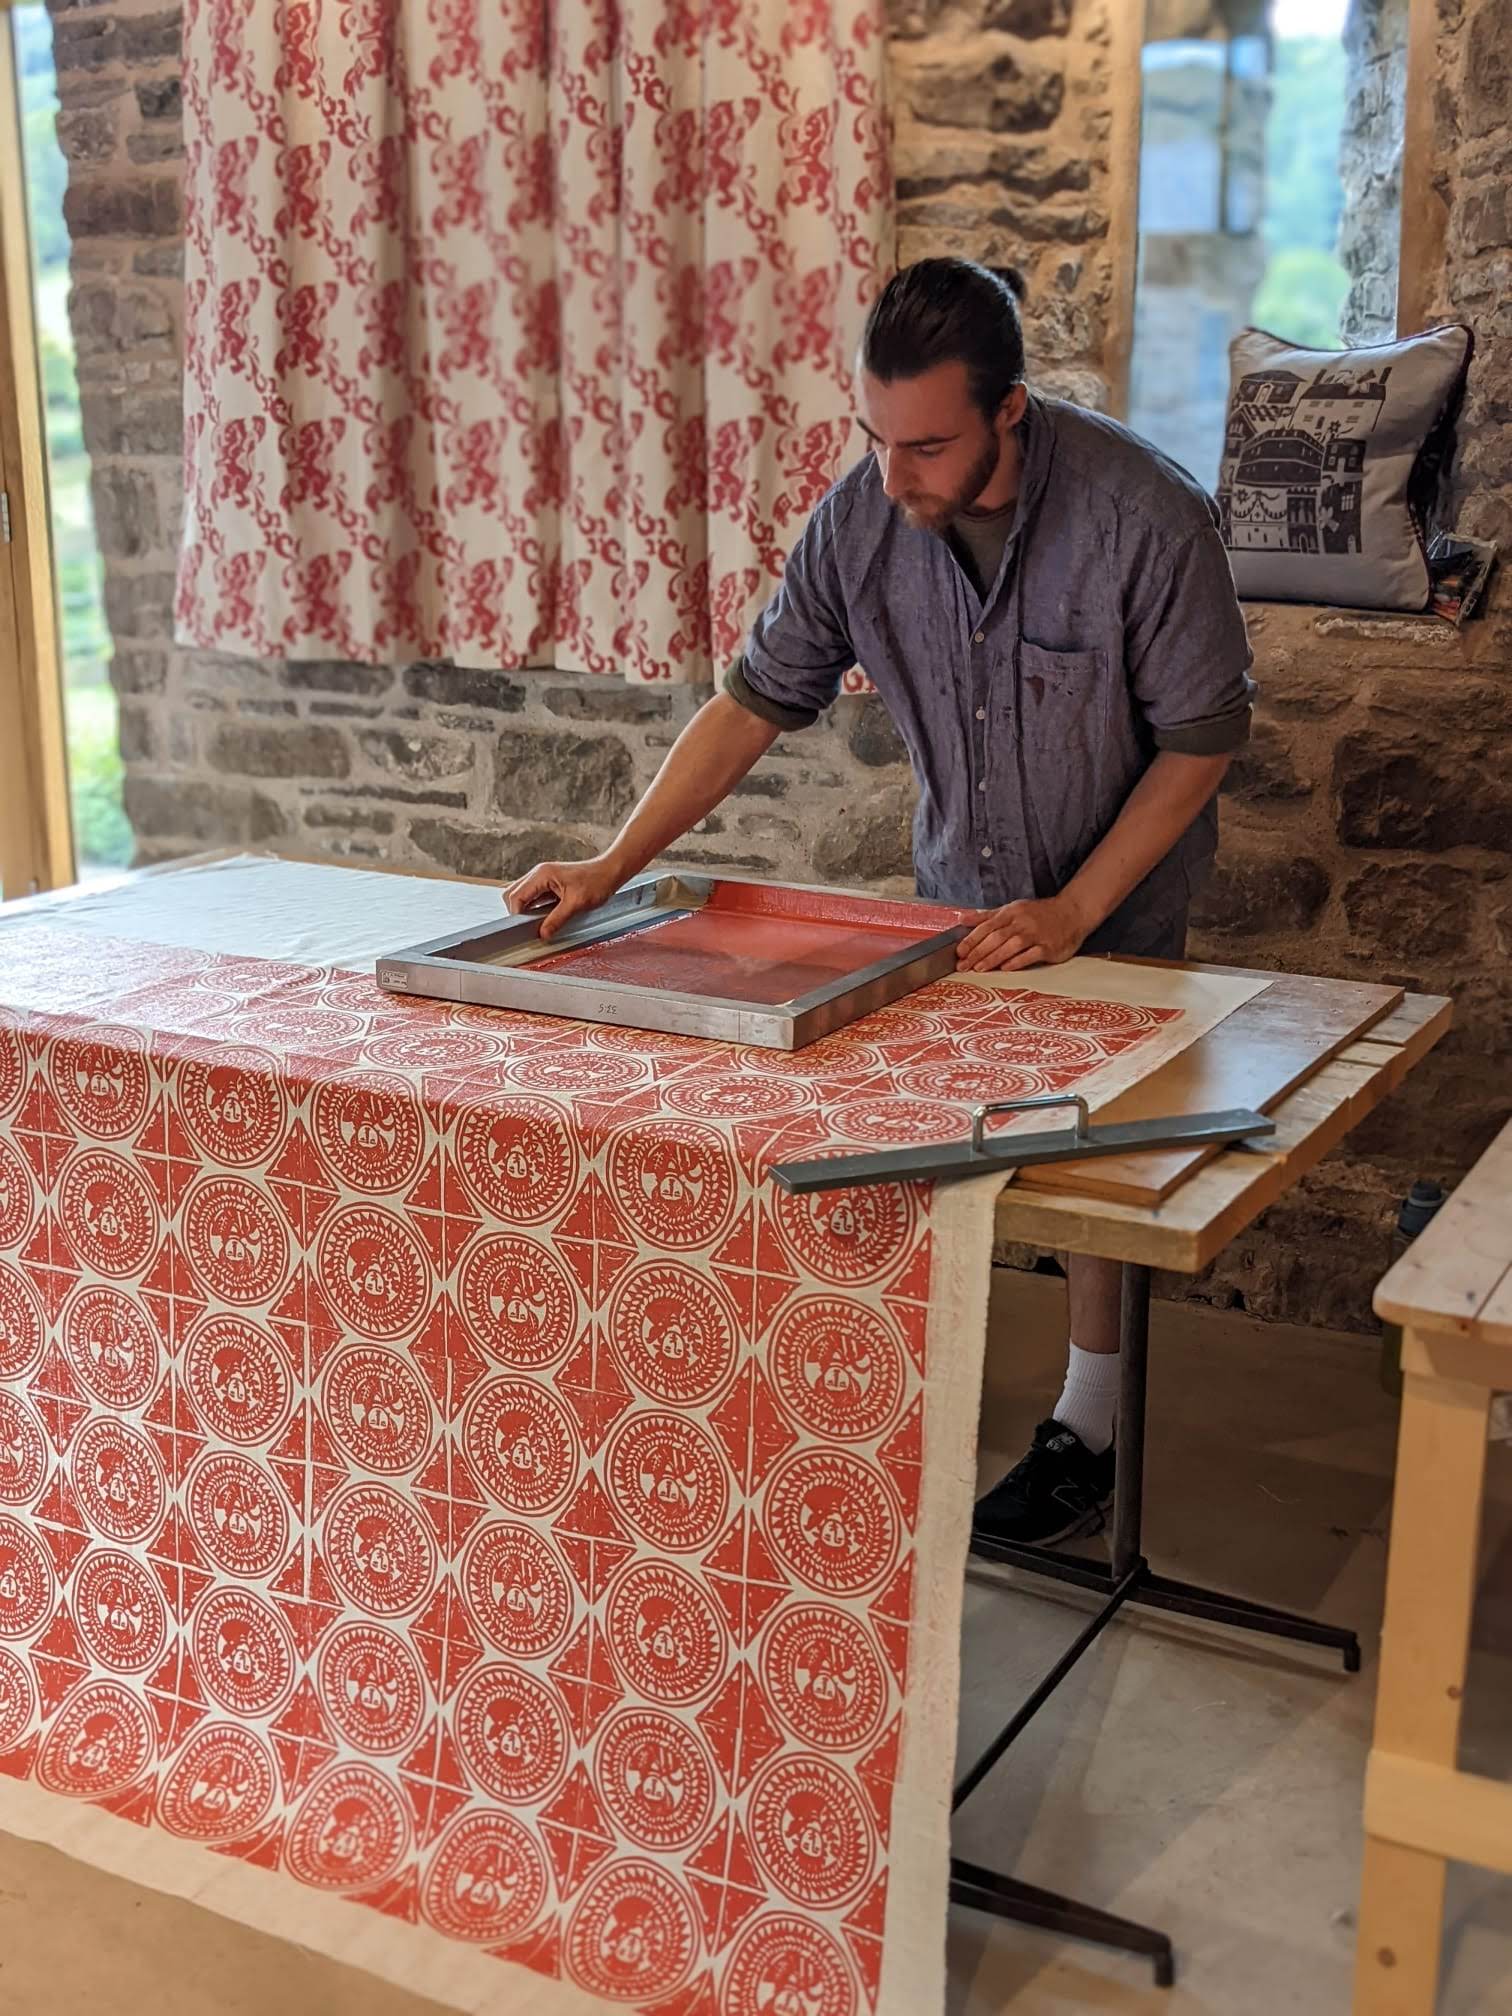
[1456, 1277]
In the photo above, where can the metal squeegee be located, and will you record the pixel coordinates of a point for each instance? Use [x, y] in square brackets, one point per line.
[978, 1156]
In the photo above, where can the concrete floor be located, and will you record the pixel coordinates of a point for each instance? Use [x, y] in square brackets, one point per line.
[1210, 1787]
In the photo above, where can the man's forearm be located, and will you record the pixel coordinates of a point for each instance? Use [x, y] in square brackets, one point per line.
[718, 747]
[1156, 813]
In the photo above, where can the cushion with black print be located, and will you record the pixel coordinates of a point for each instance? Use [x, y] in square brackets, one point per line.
[1331, 459]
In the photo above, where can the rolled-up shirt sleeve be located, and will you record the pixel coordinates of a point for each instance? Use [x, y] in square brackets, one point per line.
[1188, 654]
[799, 649]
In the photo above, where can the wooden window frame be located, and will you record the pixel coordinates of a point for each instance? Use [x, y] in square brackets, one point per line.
[36, 825]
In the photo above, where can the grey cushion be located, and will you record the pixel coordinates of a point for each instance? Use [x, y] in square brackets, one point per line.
[1326, 460]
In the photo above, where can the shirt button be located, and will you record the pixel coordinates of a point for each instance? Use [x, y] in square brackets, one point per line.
[986, 853]
[982, 786]
[980, 638]
[981, 713]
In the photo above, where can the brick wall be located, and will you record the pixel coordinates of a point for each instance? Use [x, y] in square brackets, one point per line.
[1369, 828]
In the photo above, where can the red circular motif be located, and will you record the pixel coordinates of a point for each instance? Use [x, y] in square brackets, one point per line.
[486, 1881]
[633, 1936]
[656, 1778]
[823, 1675]
[362, 997]
[375, 1270]
[513, 1733]
[972, 1084]
[432, 1049]
[235, 1240]
[20, 1325]
[23, 1451]
[99, 1743]
[26, 1581]
[377, 1410]
[372, 1687]
[673, 1180]
[238, 1513]
[120, 1612]
[101, 1081]
[108, 1213]
[890, 1028]
[1030, 1049]
[833, 1521]
[298, 1025]
[17, 1698]
[243, 1653]
[839, 1056]
[519, 1159]
[239, 1378]
[523, 1442]
[784, 1963]
[380, 1550]
[666, 1635]
[667, 1477]
[11, 1070]
[674, 1332]
[811, 1832]
[648, 1042]
[1089, 1018]
[838, 1366]
[119, 1478]
[222, 1785]
[518, 1302]
[956, 999]
[736, 1095]
[576, 1073]
[518, 1593]
[233, 1104]
[368, 1127]
[16, 1197]
[110, 1346]
[848, 1236]
[351, 1832]
[896, 1123]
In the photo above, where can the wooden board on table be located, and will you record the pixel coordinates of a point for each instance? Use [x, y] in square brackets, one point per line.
[1253, 1058]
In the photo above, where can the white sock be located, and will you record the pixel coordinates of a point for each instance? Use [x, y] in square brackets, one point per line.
[1089, 1400]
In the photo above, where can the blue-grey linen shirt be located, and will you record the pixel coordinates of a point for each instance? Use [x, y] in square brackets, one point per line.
[1110, 632]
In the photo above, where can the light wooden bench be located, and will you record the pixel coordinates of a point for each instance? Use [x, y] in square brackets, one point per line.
[1452, 1294]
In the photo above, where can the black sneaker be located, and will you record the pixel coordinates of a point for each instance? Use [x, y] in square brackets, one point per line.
[1056, 1491]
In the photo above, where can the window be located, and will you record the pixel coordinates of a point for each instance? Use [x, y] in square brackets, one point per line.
[1270, 152]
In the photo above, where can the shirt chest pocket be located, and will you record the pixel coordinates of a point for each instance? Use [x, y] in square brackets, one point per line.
[1062, 721]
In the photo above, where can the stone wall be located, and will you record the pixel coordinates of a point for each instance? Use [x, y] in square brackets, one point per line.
[1370, 166]
[1369, 828]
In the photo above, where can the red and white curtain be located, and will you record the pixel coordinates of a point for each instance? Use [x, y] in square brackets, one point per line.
[519, 332]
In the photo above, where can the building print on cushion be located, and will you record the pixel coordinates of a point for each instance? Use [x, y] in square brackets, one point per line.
[1294, 458]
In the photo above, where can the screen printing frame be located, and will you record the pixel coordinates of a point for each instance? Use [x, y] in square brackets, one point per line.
[453, 968]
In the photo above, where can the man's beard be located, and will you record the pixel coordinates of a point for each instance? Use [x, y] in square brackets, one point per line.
[933, 514]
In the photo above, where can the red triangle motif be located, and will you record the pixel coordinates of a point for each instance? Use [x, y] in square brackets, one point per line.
[59, 1659]
[902, 1457]
[586, 1680]
[173, 1427]
[447, 1644]
[591, 1384]
[540, 1951]
[166, 1156]
[178, 1706]
[21, 1763]
[171, 1292]
[61, 1526]
[434, 1782]
[576, 1833]
[913, 1279]
[892, 1613]
[744, 1577]
[451, 1497]
[442, 1211]
[301, 1182]
[697, 1999]
[51, 1263]
[56, 1396]
[726, 1883]
[878, 1774]
[399, 1897]
[752, 1427]
[302, 1741]
[595, 1540]
[863, 1934]
[44, 1132]
[447, 1359]
[740, 1730]
[264, 1850]
[137, 1803]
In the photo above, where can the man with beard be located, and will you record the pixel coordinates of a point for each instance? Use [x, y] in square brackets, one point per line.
[1045, 607]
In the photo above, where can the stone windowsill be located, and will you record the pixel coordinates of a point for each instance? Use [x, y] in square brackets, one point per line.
[1386, 636]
